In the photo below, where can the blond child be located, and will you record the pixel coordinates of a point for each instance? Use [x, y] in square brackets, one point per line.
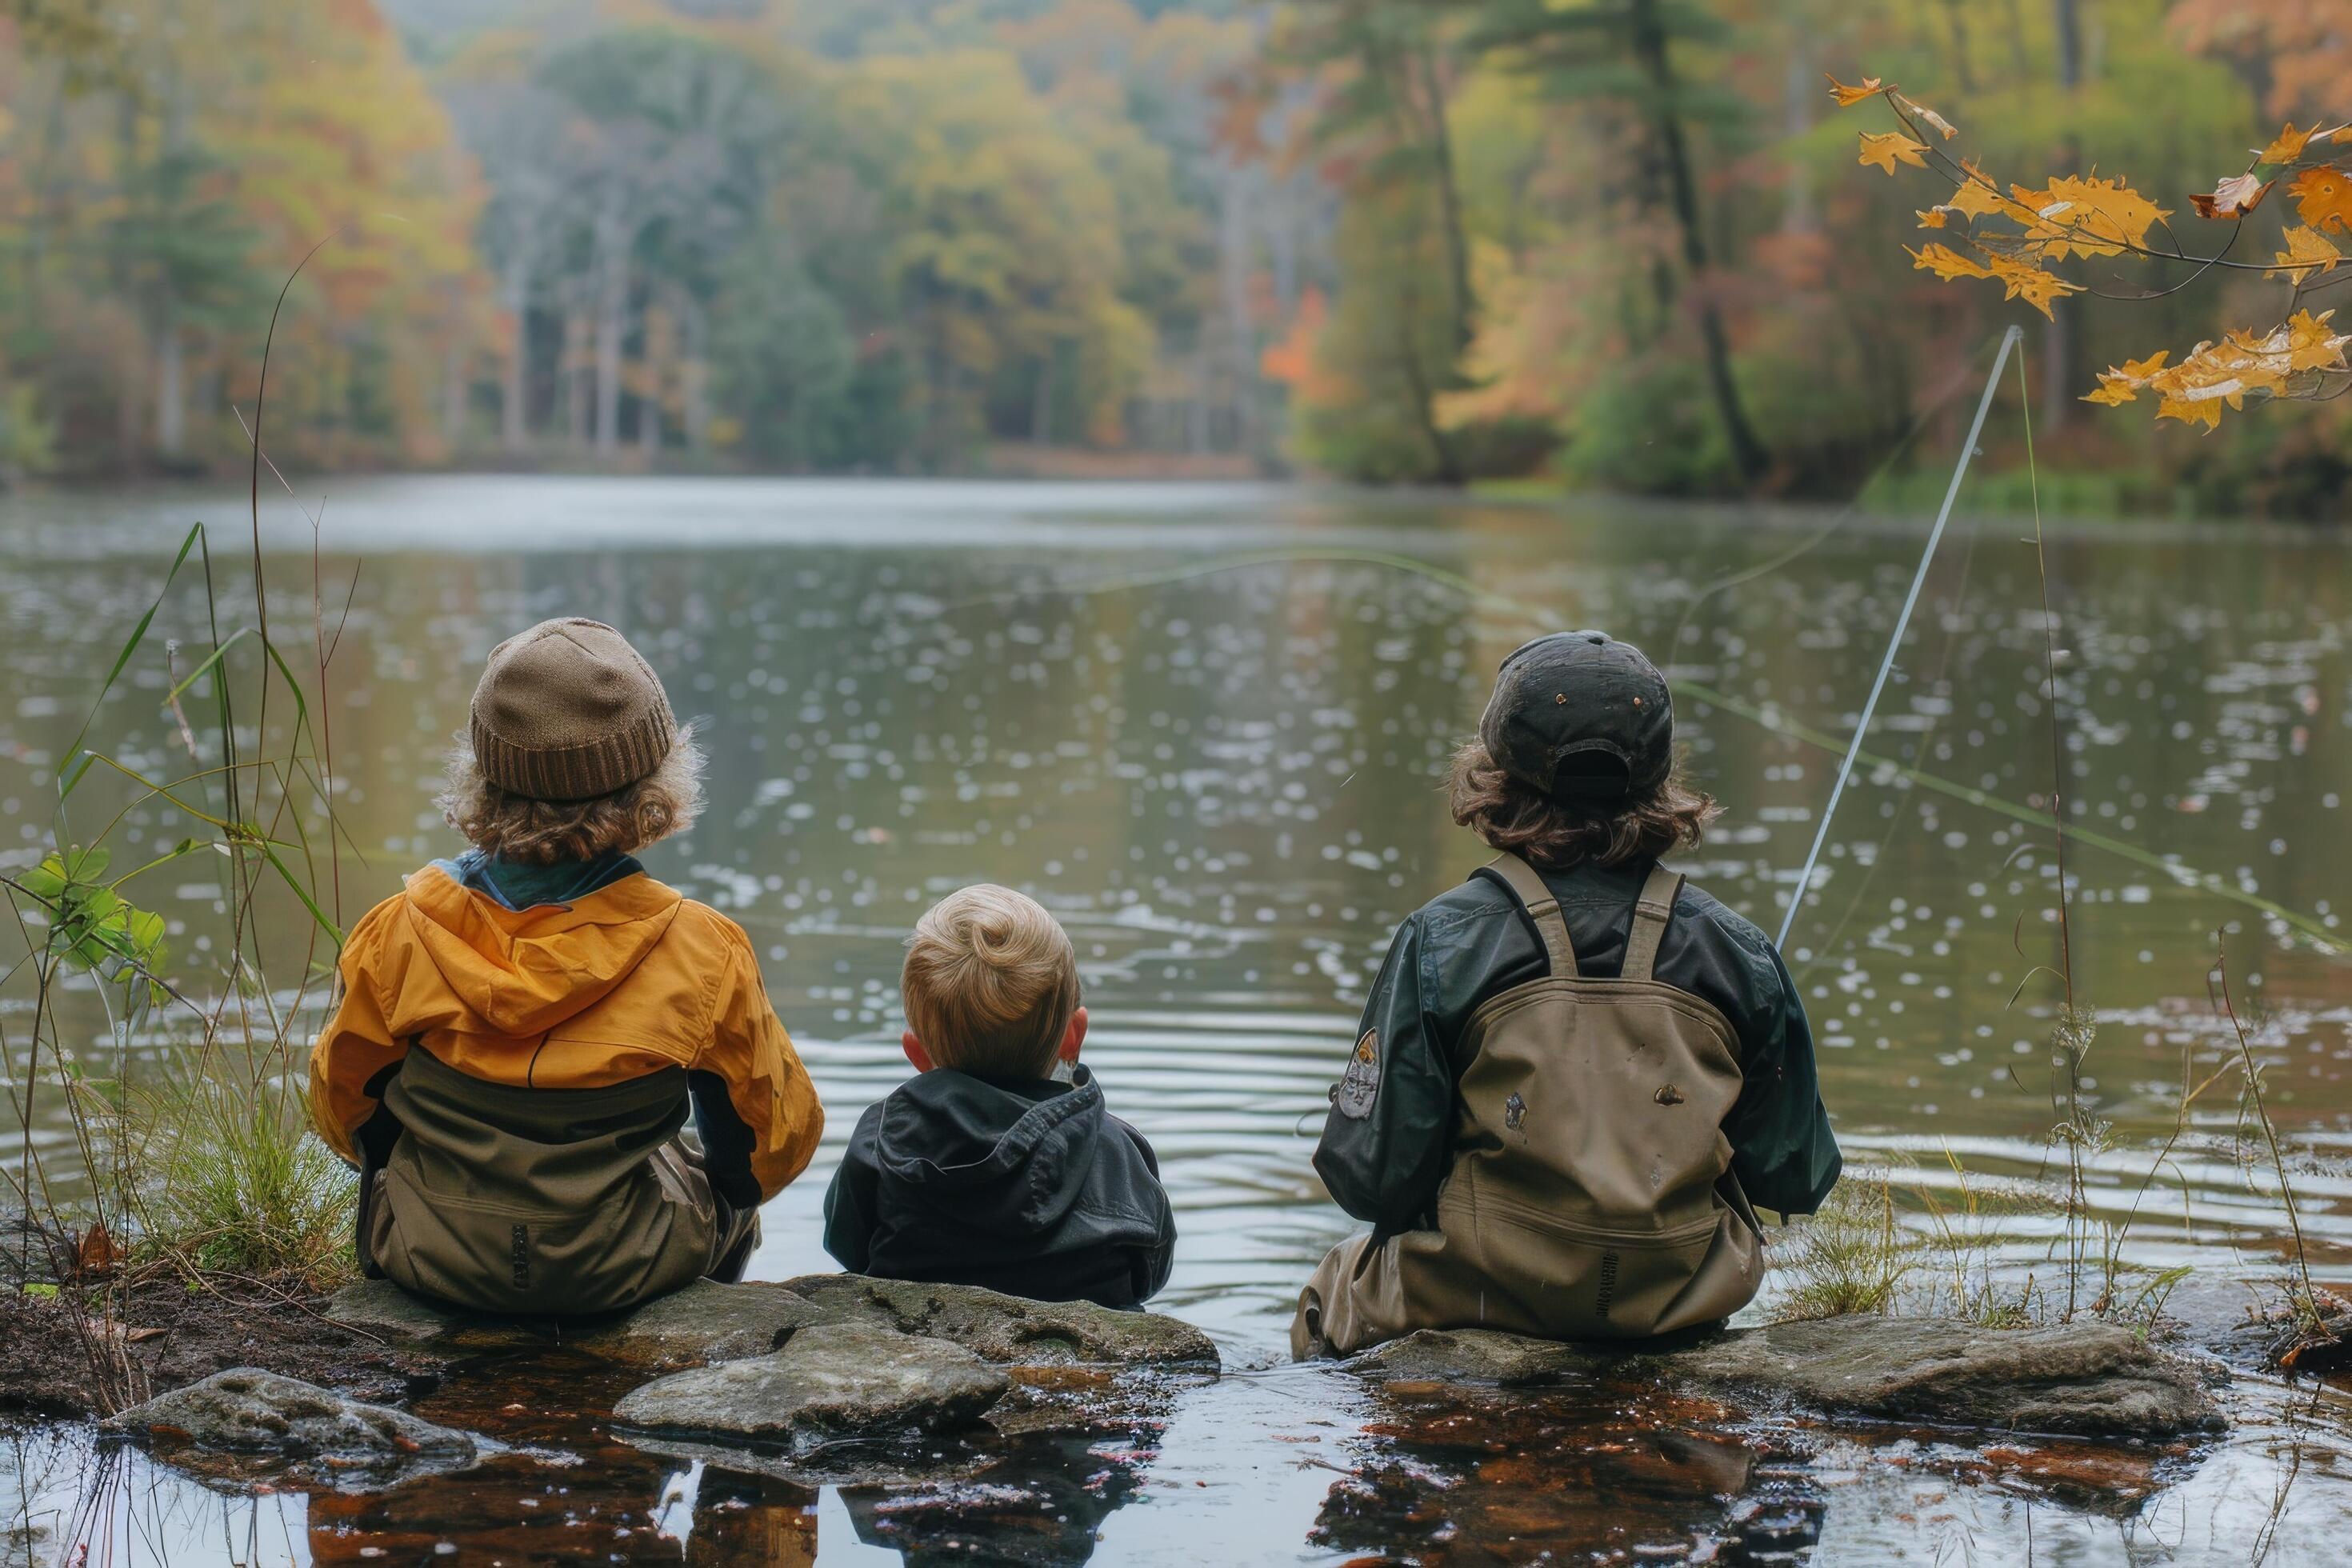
[993, 1165]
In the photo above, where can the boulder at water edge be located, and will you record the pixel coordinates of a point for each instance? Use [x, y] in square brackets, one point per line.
[252, 1415]
[705, 1321]
[2083, 1379]
[1009, 1330]
[832, 1382]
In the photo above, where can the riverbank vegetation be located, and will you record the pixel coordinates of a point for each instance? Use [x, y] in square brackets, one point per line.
[1617, 244]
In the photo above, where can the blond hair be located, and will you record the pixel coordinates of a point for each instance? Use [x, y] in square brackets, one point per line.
[990, 983]
[542, 832]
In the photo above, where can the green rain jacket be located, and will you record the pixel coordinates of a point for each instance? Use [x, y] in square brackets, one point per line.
[1384, 1163]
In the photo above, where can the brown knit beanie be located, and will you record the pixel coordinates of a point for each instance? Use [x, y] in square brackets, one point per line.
[567, 710]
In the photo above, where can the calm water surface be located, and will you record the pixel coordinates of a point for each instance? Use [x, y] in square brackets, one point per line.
[1206, 726]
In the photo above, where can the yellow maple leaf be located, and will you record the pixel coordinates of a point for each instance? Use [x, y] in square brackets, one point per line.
[2030, 281]
[1977, 196]
[2112, 392]
[2206, 412]
[2087, 216]
[2287, 145]
[2305, 251]
[2311, 346]
[2323, 197]
[1934, 217]
[1945, 263]
[1847, 97]
[2234, 198]
[1884, 148]
[2139, 370]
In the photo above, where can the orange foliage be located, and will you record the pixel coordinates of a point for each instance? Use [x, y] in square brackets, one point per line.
[2015, 238]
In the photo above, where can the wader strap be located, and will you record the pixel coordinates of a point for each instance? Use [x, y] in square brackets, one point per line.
[1655, 907]
[1542, 908]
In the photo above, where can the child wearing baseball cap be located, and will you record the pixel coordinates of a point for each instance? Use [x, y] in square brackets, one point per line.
[525, 1030]
[1575, 1072]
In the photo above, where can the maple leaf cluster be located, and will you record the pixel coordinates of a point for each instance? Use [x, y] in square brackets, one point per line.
[2017, 236]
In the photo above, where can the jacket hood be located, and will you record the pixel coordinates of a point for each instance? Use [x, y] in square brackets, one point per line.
[524, 972]
[1010, 1158]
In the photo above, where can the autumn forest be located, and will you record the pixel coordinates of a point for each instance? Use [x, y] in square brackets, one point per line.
[1619, 244]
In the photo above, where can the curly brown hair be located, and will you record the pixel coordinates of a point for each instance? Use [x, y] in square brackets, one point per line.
[1558, 834]
[543, 832]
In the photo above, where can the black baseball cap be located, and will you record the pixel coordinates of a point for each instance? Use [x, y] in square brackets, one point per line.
[1580, 716]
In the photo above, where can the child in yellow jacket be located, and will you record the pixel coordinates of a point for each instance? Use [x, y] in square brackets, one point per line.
[525, 1029]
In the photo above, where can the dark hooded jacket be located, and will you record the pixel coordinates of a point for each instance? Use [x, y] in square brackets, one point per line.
[1026, 1186]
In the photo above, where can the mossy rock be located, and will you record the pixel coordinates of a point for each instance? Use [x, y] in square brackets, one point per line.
[2085, 1379]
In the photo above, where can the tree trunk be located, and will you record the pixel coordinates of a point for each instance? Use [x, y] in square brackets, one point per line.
[171, 381]
[1442, 450]
[2060, 344]
[1449, 200]
[1233, 258]
[514, 387]
[1650, 42]
[694, 374]
[577, 389]
[612, 321]
[1956, 14]
[1041, 402]
[1798, 93]
[453, 384]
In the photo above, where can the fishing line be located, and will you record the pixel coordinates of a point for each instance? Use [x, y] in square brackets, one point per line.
[2009, 341]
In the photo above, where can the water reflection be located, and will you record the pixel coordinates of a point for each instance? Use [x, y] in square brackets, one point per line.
[1223, 783]
[1595, 1475]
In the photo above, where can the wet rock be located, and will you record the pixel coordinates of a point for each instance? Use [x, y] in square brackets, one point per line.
[2083, 1379]
[33, 1251]
[1009, 1330]
[381, 1308]
[829, 1382]
[1482, 1356]
[706, 1322]
[2086, 1379]
[246, 1412]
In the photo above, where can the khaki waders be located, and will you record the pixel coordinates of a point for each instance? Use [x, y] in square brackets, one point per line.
[544, 1202]
[1591, 1195]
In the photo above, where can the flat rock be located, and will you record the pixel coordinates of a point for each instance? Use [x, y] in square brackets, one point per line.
[246, 1412]
[1010, 1329]
[832, 1382]
[2085, 1379]
[705, 1321]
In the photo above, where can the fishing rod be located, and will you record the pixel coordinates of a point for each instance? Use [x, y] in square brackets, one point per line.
[2009, 339]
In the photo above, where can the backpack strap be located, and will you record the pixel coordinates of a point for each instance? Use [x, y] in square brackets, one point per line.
[1542, 906]
[1651, 912]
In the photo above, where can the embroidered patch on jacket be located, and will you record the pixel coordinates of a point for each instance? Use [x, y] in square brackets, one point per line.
[1360, 1084]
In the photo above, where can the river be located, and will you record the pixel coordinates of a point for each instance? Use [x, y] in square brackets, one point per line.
[1206, 726]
